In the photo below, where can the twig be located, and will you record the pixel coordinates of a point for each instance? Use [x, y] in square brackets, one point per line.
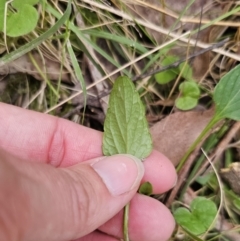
[177, 63]
[187, 19]
[182, 175]
[125, 222]
[220, 148]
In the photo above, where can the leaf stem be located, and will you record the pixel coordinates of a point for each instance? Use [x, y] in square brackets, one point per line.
[125, 222]
[209, 126]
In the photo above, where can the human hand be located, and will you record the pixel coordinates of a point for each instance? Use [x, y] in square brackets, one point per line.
[50, 188]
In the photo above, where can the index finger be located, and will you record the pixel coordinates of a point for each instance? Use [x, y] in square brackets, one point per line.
[39, 137]
[44, 138]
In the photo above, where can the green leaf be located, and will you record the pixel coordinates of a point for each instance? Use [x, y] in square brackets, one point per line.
[186, 103]
[232, 197]
[203, 180]
[126, 128]
[188, 221]
[190, 94]
[19, 3]
[227, 95]
[186, 70]
[200, 217]
[146, 189]
[113, 37]
[22, 22]
[2, 7]
[170, 74]
[190, 88]
[78, 73]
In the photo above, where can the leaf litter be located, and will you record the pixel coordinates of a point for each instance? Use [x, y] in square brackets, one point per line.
[174, 134]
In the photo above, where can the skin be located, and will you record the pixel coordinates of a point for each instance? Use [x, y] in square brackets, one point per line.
[45, 164]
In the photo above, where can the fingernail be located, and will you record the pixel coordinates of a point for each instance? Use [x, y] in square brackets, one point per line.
[120, 173]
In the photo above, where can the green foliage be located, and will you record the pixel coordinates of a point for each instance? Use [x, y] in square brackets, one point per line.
[232, 198]
[200, 216]
[78, 72]
[186, 71]
[204, 180]
[227, 95]
[2, 7]
[236, 203]
[227, 98]
[190, 91]
[125, 128]
[146, 189]
[190, 94]
[21, 20]
[166, 76]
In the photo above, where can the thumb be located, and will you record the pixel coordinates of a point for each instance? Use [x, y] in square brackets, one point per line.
[57, 204]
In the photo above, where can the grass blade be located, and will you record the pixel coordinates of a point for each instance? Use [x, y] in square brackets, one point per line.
[78, 73]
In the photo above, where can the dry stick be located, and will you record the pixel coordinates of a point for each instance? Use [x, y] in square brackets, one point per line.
[177, 63]
[183, 173]
[184, 38]
[186, 19]
[125, 222]
[181, 176]
[220, 148]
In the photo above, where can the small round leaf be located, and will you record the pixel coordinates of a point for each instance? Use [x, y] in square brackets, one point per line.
[190, 93]
[146, 189]
[186, 70]
[20, 3]
[170, 74]
[186, 103]
[190, 88]
[200, 216]
[22, 22]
